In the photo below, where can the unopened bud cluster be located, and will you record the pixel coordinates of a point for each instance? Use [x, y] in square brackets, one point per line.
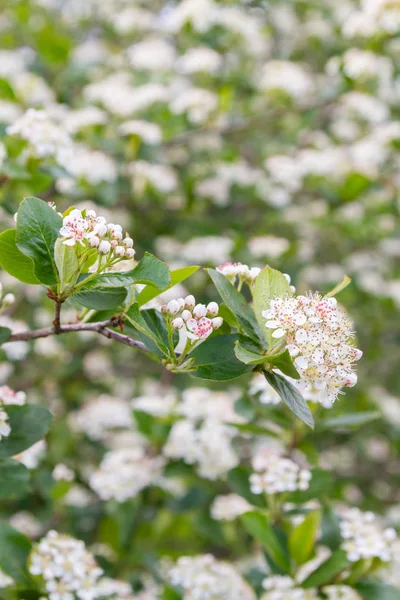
[318, 335]
[88, 229]
[276, 474]
[66, 566]
[198, 320]
[243, 272]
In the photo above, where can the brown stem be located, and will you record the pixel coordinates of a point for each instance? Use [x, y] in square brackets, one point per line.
[101, 327]
[57, 317]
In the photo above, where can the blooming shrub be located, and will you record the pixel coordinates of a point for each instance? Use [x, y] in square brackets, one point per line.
[206, 407]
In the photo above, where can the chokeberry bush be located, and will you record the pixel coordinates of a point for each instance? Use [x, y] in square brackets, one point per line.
[199, 296]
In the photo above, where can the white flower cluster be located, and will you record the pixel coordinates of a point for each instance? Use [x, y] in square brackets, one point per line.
[100, 415]
[123, 473]
[44, 136]
[85, 226]
[113, 589]
[198, 321]
[364, 537]
[208, 445]
[229, 507]
[317, 335]
[276, 474]
[66, 566]
[7, 397]
[243, 272]
[281, 587]
[5, 428]
[340, 592]
[200, 403]
[205, 578]
[5, 580]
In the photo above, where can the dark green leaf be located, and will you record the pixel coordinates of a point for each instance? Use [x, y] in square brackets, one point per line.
[247, 356]
[13, 261]
[239, 480]
[101, 298]
[284, 363]
[327, 571]
[139, 322]
[14, 552]
[269, 284]
[29, 424]
[321, 484]
[291, 397]
[216, 360]
[237, 303]
[257, 525]
[38, 227]
[5, 334]
[14, 478]
[376, 590]
[177, 276]
[149, 271]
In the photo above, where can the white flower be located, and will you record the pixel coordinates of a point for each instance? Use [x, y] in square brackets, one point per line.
[5, 428]
[63, 473]
[288, 76]
[227, 508]
[318, 336]
[364, 537]
[276, 474]
[74, 229]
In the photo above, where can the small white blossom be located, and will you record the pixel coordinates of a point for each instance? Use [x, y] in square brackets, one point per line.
[276, 474]
[364, 537]
[229, 507]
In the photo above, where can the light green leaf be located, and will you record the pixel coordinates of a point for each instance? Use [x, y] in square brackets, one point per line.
[349, 421]
[247, 356]
[291, 397]
[325, 573]
[14, 478]
[339, 287]
[258, 526]
[29, 424]
[38, 227]
[14, 553]
[237, 303]
[302, 538]
[149, 271]
[215, 359]
[177, 276]
[101, 298]
[269, 284]
[13, 261]
[66, 262]
[5, 334]
[284, 363]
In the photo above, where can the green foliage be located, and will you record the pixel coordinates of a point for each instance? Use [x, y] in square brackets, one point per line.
[14, 478]
[177, 276]
[215, 359]
[258, 526]
[149, 271]
[269, 284]
[291, 397]
[102, 298]
[329, 569]
[29, 424]
[303, 537]
[13, 261]
[5, 334]
[14, 552]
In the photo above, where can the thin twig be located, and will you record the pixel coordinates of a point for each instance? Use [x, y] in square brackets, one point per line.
[102, 327]
[57, 317]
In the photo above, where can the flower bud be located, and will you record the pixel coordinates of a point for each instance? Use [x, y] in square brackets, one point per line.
[217, 322]
[100, 229]
[128, 242]
[104, 247]
[173, 307]
[94, 241]
[119, 251]
[186, 315]
[351, 379]
[181, 303]
[212, 309]
[114, 243]
[91, 214]
[164, 309]
[8, 300]
[130, 253]
[200, 310]
[190, 302]
[117, 234]
[177, 323]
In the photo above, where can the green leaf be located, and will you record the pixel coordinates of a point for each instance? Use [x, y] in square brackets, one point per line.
[150, 292]
[322, 483]
[216, 360]
[170, 594]
[13, 261]
[269, 284]
[284, 363]
[327, 571]
[66, 263]
[5, 334]
[239, 480]
[14, 478]
[38, 227]
[14, 552]
[330, 529]
[237, 303]
[228, 316]
[29, 424]
[247, 356]
[349, 421]
[257, 525]
[139, 322]
[376, 590]
[302, 538]
[149, 271]
[339, 287]
[101, 298]
[291, 397]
